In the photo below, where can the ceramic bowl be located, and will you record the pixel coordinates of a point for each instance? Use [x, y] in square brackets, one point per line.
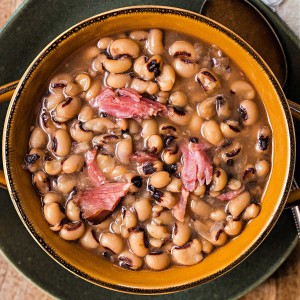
[83, 263]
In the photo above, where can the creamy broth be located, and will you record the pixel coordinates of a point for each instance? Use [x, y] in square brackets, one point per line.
[150, 148]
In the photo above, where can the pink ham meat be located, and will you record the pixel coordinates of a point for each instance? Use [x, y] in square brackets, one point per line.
[197, 167]
[231, 194]
[127, 103]
[94, 173]
[179, 209]
[142, 156]
[98, 202]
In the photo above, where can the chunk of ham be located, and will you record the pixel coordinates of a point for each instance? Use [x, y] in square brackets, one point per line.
[231, 194]
[98, 202]
[127, 103]
[197, 167]
[94, 173]
[142, 156]
[179, 209]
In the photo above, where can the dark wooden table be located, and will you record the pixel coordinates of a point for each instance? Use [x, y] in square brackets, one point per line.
[284, 284]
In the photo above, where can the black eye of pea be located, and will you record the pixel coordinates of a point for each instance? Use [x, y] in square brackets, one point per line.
[137, 181]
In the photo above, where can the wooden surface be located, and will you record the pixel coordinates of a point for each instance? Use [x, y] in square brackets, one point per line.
[282, 285]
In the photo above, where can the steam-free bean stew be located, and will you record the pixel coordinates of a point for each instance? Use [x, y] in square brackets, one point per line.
[150, 148]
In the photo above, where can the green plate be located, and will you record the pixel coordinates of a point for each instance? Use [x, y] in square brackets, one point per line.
[31, 28]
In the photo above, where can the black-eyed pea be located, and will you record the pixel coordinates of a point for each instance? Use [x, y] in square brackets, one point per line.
[171, 154]
[140, 68]
[38, 138]
[61, 143]
[84, 81]
[116, 227]
[149, 127]
[128, 200]
[234, 184]
[182, 49]
[118, 81]
[237, 205]
[156, 243]
[185, 67]
[160, 179]
[242, 89]
[211, 132]
[117, 172]
[199, 190]
[129, 218]
[104, 42]
[262, 168]
[178, 98]
[72, 211]
[65, 183]
[53, 214]
[133, 126]
[150, 167]
[55, 97]
[167, 200]
[166, 79]
[72, 89]
[72, 231]
[233, 227]
[93, 90]
[120, 65]
[206, 109]
[60, 80]
[217, 235]
[181, 233]
[81, 147]
[143, 209]
[168, 129]
[163, 217]
[90, 53]
[41, 182]
[219, 180]
[123, 124]
[168, 247]
[249, 173]
[263, 139]
[34, 160]
[112, 242]
[79, 134]
[123, 47]
[208, 81]
[88, 239]
[158, 231]
[139, 85]
[152, 89]
[251, 212]
[124, 232]
[129, 260]
[104, 225]
[154, 42]
[206, 246]
[74, 163]
[139, 35]
[195, 123]
[230, 128]
[249, 112]
[223, 108]
[52, 167]
[157, 260]
[67, 109]
[155, 143]
[97, 65]
[180, 116]
[162, 97]
[52, 197]
[138, 242]
[200, 208]
[136, 181]
[175, 185]
[123, 150]
[86, 114]
[218, 215]
[99, 125]
[188, 254]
